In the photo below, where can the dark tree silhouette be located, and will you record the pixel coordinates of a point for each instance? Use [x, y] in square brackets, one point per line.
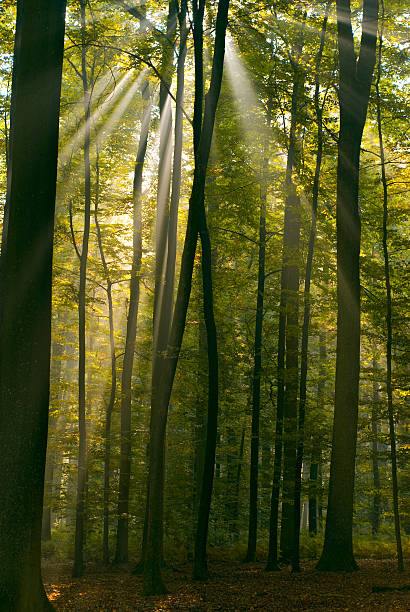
[354, 90]
[25, 299]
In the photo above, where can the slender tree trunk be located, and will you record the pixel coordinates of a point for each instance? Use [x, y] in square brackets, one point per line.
[78, 566]
[200, 418]
[290, 271]
[25, 300]
[256, 380]
[376, 506]
[389, 341]
[200, 557]
[313, 475]
[285, 406]
[235, 511]
[162, 387]
[167, 214]
[113, 383]
[121, 550]
[272, 563]
[306, 312]
[287, 535]
[354, 89]
[315, 481]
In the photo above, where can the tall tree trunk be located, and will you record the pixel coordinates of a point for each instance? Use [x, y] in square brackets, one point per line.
[200, 557]
[389, 387]
[78, 566]
[113, 382]
[376, 505]
[287, 534]
[121, 549]
[200, 418]
[306, 312]
[354, 89]
[162, 387]
[235, 510]
[256, 378]
[25, 299]
[167, 214]
[272, 563]
[314, 480]
[290, 271]
[285, 403]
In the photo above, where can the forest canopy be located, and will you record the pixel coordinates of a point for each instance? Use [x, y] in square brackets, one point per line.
[204, 296]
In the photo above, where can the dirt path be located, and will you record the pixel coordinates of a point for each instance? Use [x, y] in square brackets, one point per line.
[232, 587]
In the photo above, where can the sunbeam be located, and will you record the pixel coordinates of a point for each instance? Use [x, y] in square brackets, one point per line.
[76, 141]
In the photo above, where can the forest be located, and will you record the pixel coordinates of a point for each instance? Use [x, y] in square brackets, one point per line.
[204, 305]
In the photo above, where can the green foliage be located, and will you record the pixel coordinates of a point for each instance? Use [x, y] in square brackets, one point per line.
[252, 125]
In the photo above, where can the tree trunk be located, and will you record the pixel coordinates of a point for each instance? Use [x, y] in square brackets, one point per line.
[256, 380]
[290, 272]
[272, 563]
[200, 419]
[78, 566]
[235, 511]
[315, 480]
[389, 341]
[121, 549]
[162, 387]
[25, 302]
[306, 313]
[376, 506]
[200, 558]
[167, 217]
[285, 403]
[287, 534]
[113, 382]
[354, 89]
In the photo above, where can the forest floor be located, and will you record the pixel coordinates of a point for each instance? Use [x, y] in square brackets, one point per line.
[232, 587]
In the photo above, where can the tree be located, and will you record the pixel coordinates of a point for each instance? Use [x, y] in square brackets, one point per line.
[354, 90]
[161, 389]
[256, 378]
[25, 298]
[306, 309]
[78, 567]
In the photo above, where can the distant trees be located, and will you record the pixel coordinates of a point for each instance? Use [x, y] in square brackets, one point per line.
[25, 299]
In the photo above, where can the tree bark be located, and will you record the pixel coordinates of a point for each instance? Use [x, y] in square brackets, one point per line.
[113, 382]
[78, 566]
[376, 505]
[285, 441]
[162, 387]
[354, 89]
[306, 312]
[121, 549]
[200, 558]
[290, 271]
[256, 380]
[235, 510]
[167, 219]
[25, 299]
